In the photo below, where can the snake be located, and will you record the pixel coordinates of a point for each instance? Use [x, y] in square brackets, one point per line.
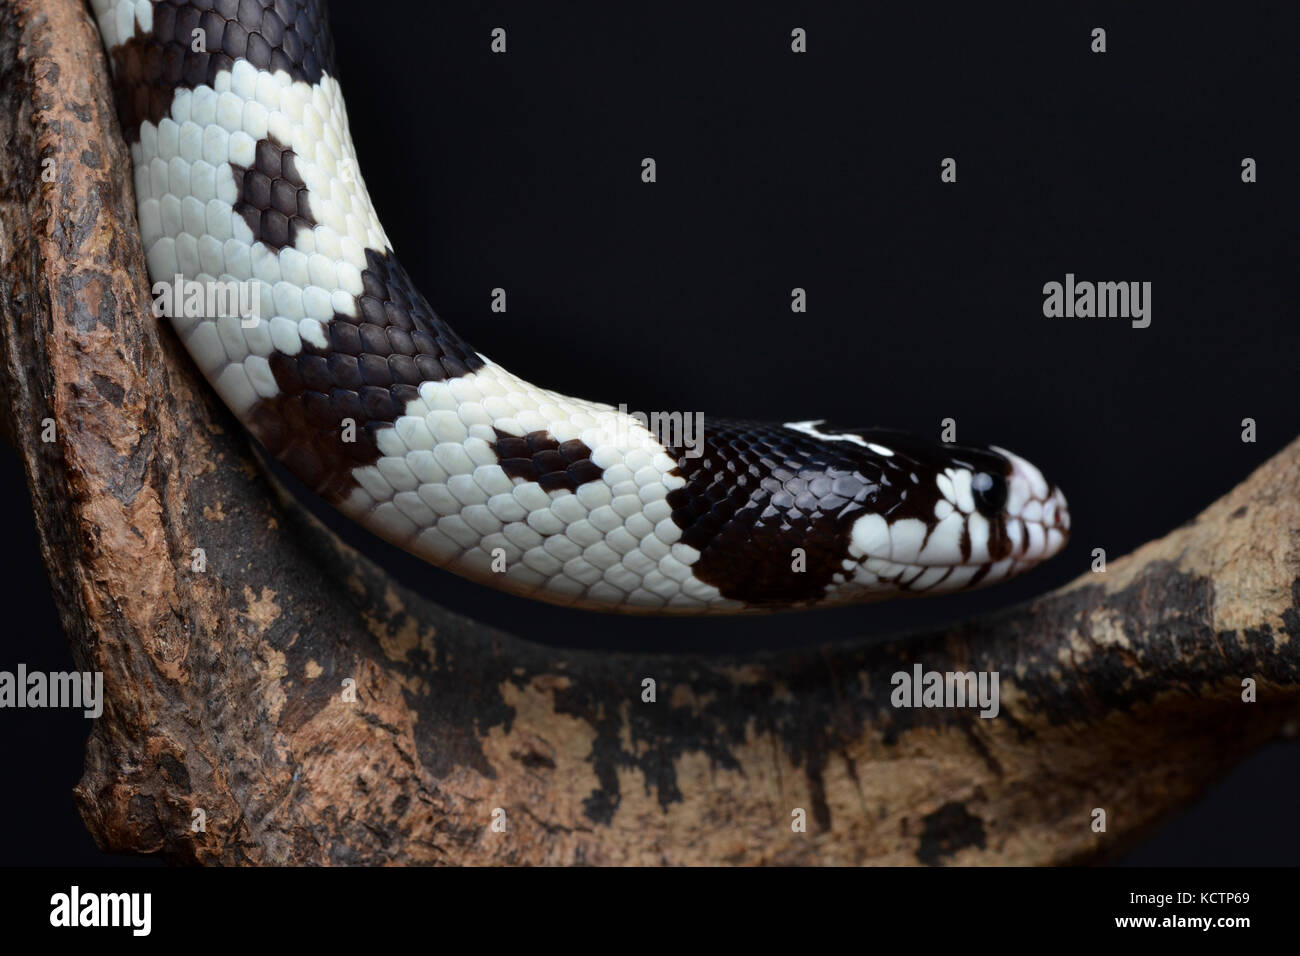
[246, 179]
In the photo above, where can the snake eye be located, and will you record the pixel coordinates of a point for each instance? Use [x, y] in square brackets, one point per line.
[990, 493]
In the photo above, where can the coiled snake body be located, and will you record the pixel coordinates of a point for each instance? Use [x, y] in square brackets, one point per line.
[245, 172]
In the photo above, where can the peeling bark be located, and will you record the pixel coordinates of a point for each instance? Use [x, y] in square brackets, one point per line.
[225, 688]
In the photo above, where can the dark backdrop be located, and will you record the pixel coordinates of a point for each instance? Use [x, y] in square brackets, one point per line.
[821, 171]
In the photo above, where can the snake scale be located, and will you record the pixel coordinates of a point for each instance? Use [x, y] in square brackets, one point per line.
[245, 173]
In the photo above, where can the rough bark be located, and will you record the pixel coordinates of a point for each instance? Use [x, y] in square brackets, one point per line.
[225, 688]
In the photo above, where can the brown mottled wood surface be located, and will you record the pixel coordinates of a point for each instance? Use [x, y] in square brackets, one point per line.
[1121, 691]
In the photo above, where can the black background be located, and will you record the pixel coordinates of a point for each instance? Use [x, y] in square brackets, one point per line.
[821, 171]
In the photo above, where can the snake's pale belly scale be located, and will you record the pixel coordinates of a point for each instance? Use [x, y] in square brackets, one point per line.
[245, 172]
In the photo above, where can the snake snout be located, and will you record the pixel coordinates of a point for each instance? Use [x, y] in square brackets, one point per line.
[1035, 513]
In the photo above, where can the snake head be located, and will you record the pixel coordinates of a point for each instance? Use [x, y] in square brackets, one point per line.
[951, 517]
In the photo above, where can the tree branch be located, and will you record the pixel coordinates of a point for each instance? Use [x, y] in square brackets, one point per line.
[1121, 691]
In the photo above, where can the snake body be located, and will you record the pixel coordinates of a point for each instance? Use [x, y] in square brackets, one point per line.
[245, 172]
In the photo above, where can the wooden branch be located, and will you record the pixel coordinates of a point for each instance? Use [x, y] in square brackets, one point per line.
[225, 687]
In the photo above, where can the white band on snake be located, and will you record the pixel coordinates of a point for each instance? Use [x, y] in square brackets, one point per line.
[245, 173]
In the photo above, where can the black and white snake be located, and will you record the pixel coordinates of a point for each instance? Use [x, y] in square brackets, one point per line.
[245, 173]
